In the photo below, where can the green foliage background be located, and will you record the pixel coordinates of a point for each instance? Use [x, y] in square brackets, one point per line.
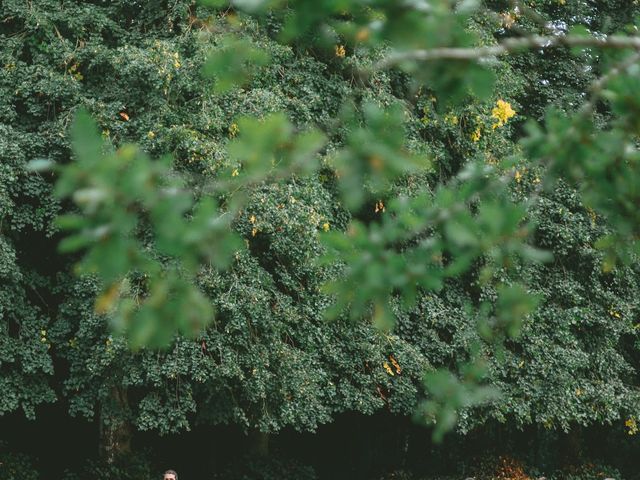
[269, 360]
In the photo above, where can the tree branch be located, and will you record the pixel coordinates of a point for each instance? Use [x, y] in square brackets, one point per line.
[509, 45]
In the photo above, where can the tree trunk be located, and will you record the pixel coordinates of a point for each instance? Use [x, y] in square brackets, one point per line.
[115, 429]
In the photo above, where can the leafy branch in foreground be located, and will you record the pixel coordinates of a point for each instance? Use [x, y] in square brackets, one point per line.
[511, 46]
[144, 279]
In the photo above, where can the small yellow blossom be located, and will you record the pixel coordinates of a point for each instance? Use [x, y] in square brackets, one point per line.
[233, 129]
[518, 176]
[254, 231]
[614, 313]
[340, 51]
[151, 135]
[235, 172]
[476, 134]
[632, 425]
[502, 112]
[252, 219]
[326, 226]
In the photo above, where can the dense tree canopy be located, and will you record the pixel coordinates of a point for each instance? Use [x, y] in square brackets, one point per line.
[266, 214]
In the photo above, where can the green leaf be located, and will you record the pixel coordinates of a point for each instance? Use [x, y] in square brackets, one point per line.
[233, 63]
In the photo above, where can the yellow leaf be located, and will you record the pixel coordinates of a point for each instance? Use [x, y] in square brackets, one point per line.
[396, 365]
[363, 35]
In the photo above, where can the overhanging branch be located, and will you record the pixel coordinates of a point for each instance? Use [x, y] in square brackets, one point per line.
[507, 46]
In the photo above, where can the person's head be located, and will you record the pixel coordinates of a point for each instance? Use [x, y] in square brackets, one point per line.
[170, 475]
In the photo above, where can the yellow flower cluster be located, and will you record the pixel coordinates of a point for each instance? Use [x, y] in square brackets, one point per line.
[502, 112]
[340, 51]
[632, 425]
[476, 134]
